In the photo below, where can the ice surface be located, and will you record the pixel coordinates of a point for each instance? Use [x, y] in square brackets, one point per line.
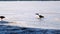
[22, 13]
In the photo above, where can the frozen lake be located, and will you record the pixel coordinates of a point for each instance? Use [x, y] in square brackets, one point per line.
[22, 13]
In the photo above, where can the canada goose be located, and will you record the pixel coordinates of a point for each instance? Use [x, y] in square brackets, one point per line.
[2, 17]
[40, 16]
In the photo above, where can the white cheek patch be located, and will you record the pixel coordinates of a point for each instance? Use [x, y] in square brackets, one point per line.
[37, 16]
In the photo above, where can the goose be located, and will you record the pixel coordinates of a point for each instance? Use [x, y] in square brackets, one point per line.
[40, 16]
[2, 17]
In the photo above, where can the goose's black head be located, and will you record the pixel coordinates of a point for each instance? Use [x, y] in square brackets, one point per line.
[37, 13]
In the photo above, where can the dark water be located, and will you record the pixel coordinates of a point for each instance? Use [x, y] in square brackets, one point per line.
[4, 29]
